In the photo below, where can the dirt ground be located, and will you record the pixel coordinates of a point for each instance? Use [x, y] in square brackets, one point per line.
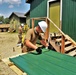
[8, 41]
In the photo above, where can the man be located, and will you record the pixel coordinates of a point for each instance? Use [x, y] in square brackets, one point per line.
[20, 31]
[31, 37]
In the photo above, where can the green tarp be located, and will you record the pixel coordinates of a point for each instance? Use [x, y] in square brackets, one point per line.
[47, 63]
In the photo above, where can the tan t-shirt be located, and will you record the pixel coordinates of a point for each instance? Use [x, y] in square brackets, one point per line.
[32, 36]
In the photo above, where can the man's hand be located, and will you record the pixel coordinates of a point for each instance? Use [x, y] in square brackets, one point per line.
[39, 51]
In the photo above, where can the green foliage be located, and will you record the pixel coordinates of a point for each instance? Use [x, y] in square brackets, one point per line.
[1, 19]
[4, 20]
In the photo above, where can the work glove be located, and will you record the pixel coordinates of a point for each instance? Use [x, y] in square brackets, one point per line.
[38, 50]
[50, 47]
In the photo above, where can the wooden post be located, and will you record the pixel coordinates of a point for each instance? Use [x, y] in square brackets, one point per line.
[47, 30]
[63, 44]
[32, 23]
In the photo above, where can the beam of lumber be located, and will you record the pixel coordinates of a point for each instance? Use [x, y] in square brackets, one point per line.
[57, 35]
[66, 43]
[39, 18]
[62, 32]
[69, 48]
[63, 44]
[33, 23]
[72, 53]
[16, 70]
[55, 26]
[71, 39]
[12, 66]
[59, 39]
[4, 26]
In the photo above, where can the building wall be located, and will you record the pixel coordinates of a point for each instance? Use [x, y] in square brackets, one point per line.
[38, 8]
[69, 17]
[28, 21]
[23, 20]
[14, 22]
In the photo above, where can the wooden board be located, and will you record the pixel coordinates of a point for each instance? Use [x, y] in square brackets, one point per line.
[72, 53]
[12, 66]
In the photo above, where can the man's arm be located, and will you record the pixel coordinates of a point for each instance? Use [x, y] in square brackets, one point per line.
[27, 41]
[44, 43]
[42, 40]
[30, 45]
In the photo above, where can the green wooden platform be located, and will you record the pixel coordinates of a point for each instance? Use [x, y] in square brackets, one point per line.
[47, 63]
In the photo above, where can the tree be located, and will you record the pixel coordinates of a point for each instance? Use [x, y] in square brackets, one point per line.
[4, 20]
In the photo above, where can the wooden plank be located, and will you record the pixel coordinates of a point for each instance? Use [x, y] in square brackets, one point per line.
[69, 48]
[4, 25]
[16, 70]
[12, 66]
[66, 36]
[47, 30]
[66, 43]
[69, 38]
[39, 18]
[72, 53]
[59, 39]
[33, 23]
[57, 35]
[63, 44]
[57, 48]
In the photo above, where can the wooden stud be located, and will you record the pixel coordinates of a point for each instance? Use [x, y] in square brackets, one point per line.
[47, 30]
[63, 44]
[33, 23]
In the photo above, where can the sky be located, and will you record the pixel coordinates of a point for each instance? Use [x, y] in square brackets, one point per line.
[9, 6]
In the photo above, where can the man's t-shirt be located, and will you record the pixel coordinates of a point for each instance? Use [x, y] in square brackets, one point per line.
[32, 36]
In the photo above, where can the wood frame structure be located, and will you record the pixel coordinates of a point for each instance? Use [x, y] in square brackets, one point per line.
[47, 32]
[45, 19]
[63, 37]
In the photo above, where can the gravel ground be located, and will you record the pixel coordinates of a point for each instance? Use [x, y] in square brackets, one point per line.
[8, 41]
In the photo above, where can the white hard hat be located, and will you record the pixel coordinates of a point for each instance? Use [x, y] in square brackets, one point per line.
[43, 25]
[22, 24]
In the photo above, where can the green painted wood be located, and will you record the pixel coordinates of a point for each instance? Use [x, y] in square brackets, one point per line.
[38, 8]
[47, 63]
[34, 70]
[53, 64]
[69, 17]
